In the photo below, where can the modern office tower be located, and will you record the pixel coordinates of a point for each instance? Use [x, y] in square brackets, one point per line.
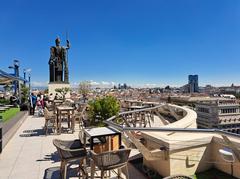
[193, 83]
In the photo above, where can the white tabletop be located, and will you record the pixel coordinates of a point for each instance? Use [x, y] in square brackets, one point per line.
[65, 108]
[100, 131]
[4, 107]
[136, 107]
[148, 102]
[9, 105]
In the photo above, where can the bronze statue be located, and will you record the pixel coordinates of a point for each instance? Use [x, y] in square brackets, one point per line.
[58, 64]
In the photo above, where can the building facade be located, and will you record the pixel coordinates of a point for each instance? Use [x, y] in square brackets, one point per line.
[193, 83]
[219, 113]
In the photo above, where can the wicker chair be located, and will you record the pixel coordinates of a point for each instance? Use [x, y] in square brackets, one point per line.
[178, 177]
[50, 120]
[79, 115]
[111, 160]
[66, 103]
[70, 151]
[49, 106]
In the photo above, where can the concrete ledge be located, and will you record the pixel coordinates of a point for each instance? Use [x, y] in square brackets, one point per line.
[189, 120]
[11, 127]
[53, 86]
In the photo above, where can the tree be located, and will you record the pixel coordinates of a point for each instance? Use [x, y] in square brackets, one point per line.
[25, 93]
[63, 91]
[84, 89]
[103, 108]
[24, 97]
[45, 91]
[167, 87]
[7, 88]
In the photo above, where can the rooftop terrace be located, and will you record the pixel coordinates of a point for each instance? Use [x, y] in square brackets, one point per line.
[31, 154]
[169, 149]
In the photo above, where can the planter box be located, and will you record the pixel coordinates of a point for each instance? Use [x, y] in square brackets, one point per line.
[1, 134]
[8, 129]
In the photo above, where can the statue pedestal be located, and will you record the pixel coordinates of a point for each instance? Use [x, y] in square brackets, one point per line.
[53, 86]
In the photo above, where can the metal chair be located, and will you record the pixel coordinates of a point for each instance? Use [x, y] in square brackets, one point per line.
[111, 160]
[70, 151]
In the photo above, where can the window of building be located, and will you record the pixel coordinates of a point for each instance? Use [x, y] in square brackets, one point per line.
[231, 110]
[204, 110]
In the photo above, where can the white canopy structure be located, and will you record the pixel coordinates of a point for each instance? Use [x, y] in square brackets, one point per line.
[6, 78]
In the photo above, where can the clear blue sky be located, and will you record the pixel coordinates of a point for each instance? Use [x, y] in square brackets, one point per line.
[132, 41]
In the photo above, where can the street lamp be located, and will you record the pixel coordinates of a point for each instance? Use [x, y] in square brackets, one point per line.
[24, 76]
[29, 82]
[16, 74]
[25, 71]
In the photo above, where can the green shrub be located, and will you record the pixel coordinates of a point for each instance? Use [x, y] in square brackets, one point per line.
[63, 91]
[25, 93]
[4, 101]
[103, 108]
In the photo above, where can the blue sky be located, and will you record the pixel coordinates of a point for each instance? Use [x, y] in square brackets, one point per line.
[134, 41]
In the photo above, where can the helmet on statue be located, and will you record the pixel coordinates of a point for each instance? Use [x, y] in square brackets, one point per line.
[57, 41]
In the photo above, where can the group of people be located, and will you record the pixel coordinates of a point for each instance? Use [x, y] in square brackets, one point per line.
[37, 102]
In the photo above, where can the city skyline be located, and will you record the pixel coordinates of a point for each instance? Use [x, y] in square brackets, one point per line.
[155, 43]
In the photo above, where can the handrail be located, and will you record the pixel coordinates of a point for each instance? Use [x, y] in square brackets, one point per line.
[162, 129]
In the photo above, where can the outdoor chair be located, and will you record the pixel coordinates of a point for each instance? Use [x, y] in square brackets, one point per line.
[66, 103]
[49, 106]
[111, 160]
[50, 120]
[178, 177]
[70, 151]
[86, 119]
[79, 115]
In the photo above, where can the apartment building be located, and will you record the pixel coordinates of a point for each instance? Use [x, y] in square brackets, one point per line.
[220, 113]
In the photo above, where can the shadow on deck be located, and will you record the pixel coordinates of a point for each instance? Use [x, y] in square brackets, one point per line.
[54, 173]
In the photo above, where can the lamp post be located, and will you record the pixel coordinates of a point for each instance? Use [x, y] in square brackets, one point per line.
[16, 70]
[29, 82]
[24, 76]
[15, 67]
[25, 71]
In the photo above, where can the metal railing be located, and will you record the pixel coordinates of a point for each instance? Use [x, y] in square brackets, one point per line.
[122, 128]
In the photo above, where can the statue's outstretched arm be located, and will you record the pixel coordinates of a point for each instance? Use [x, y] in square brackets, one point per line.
[68, 44]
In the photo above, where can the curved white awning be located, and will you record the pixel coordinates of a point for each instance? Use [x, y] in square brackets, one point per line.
[6, 78]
